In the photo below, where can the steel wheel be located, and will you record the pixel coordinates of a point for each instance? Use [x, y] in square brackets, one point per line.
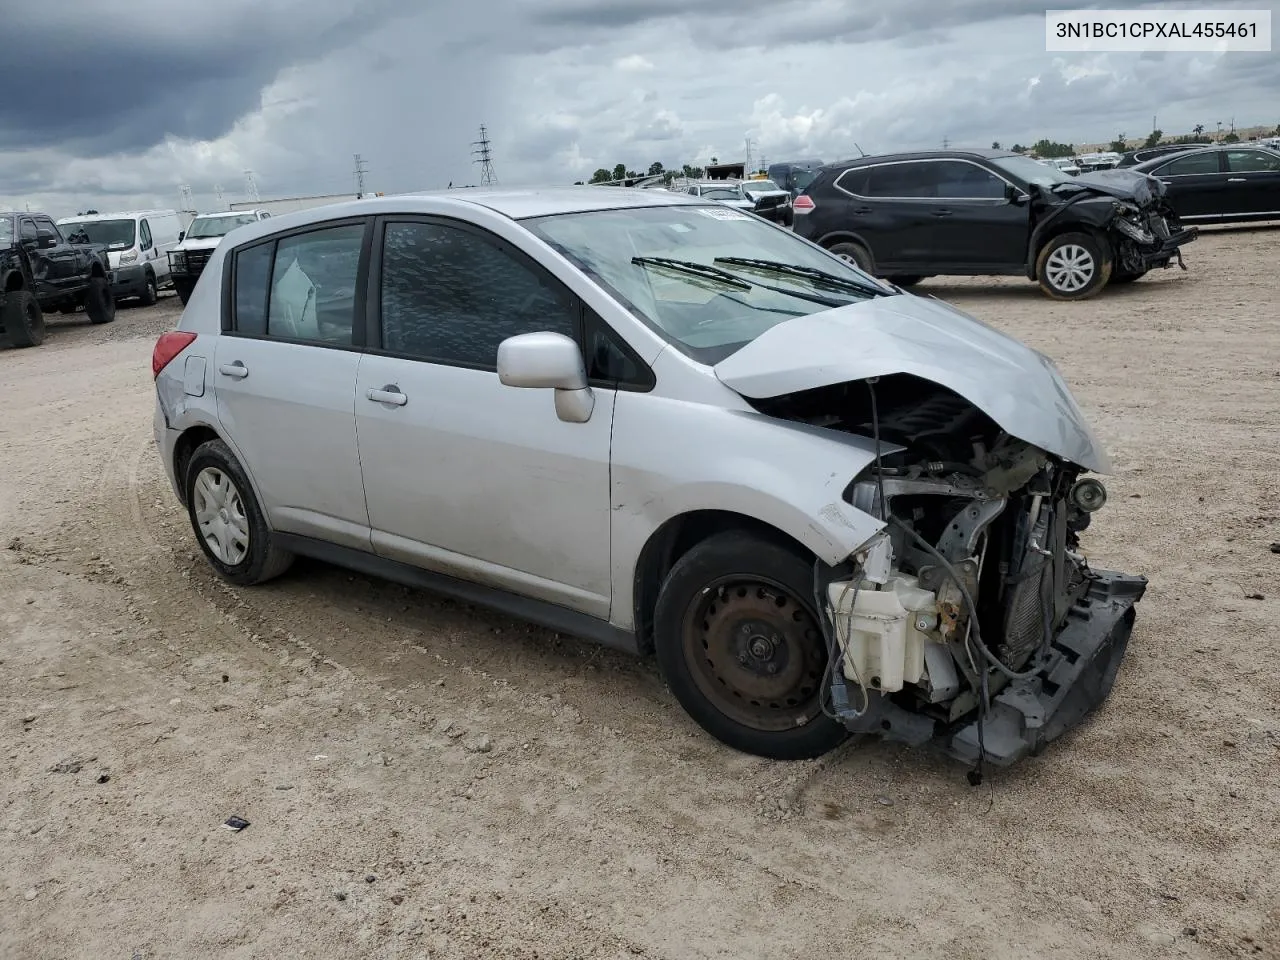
[1070, 268]
[220, 516]
[755, 652]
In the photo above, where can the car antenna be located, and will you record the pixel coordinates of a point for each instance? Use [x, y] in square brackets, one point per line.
[861, 152]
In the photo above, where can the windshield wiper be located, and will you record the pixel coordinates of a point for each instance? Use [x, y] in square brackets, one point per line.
[695, 268]
[730, 279]
[811, 273]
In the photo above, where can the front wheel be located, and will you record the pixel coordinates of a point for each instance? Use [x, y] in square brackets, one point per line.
[227, 519]
[183, 287]
[99, 303]
[738, 643]
[150, 293]
[1073, 266]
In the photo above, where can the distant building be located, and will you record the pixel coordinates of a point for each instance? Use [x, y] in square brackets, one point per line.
[725, 171]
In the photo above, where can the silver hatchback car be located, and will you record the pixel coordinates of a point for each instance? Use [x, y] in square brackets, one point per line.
[826, 505]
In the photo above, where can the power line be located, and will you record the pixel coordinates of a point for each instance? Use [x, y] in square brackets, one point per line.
[360, 169]
[485, 158]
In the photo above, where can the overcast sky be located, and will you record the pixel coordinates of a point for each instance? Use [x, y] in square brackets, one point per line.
[114, 112]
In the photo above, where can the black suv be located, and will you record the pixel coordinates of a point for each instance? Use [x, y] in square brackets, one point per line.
[908, 216]
[41, 270]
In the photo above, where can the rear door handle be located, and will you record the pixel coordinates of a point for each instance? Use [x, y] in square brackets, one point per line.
[942, 212]
[861, 211]
[388, 394]
[235, 369]
[1237, 179]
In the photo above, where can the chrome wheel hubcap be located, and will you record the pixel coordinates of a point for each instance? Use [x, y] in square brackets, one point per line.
[1070, 268]
[220, 516]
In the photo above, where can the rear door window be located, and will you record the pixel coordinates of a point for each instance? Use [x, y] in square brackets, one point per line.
[1252, 161]
[902, 180]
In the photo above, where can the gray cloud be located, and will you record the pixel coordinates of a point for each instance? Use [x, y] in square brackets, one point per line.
[565, 86]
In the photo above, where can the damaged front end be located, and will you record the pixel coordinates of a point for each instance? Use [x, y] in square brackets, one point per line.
[1131, 207]
[972, 619]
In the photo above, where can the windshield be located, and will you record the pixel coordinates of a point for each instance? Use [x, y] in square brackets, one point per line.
[1033, 171]
[802, 178]
[761, 185]
[116, 234]
[6, 229]
[204, 227]
[720, 193]
[704, 316]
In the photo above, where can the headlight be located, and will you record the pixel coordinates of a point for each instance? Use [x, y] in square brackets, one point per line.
[178, 260]
[129, 257]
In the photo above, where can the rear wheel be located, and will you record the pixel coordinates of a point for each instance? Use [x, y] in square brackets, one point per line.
[227, 520]
[855, 253]
[739, 644]
[23, 319]
[1073, 266]
[99, 303]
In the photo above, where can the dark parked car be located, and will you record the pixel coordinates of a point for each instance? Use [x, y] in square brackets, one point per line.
[41, 270]
[1143, 154]
[1230, 183]
[909, 216]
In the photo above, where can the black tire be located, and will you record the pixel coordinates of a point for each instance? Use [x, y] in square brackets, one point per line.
[1090, 257]
[99, 303]
[908, 281]
[150, 292]
[1117, 278]
[183, 288]
[748, 602]
[262, 558]
[23, 319]
[855, 252]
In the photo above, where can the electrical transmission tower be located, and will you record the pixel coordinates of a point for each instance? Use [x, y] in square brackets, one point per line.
[361, 166]
[184, 193]
[251, 186]
[747, 166]
[217, 188]
[484, 157]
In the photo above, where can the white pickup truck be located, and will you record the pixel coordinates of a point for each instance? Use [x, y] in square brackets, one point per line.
[187, 259]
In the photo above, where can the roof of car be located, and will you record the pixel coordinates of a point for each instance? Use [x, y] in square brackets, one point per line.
[226, 213]
[959, 154]
[117, 215]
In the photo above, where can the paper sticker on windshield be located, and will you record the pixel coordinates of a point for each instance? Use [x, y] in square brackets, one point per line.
[722, 213]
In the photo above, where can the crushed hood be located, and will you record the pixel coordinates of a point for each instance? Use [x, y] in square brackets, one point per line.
[1017, 387]
[1123, 184]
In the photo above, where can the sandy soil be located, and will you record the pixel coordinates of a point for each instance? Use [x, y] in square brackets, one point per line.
[424, 779]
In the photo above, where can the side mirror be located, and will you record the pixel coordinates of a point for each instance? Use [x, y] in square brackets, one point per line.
[181, 234]
[1014, 195]
[45, 239]
[547, 360]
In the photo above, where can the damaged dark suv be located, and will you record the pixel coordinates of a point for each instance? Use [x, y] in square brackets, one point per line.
[909, 216]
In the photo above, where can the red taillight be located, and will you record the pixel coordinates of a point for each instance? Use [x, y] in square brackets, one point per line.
[167, 347]
[802, 204]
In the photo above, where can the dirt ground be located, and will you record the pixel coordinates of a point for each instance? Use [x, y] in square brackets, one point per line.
[423, 779]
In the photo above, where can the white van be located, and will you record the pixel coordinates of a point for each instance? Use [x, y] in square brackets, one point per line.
[138, 244]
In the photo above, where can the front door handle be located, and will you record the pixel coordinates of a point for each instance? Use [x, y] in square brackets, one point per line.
[942, 212]
[1237, 179]
[235, 369]
[388, 394]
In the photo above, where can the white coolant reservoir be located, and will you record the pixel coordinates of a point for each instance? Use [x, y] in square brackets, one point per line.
[881, 633]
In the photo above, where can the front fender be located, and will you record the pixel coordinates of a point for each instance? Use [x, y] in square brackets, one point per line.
[673, 457]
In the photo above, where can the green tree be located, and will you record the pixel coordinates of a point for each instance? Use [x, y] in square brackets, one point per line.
[1018, 148]
[1049, 148]
[619, 172]
[656, 168]
[1119, 145]
[1153, 138]
[995, 145]
[1199, 130]
[1231, 138]
[601, 175]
